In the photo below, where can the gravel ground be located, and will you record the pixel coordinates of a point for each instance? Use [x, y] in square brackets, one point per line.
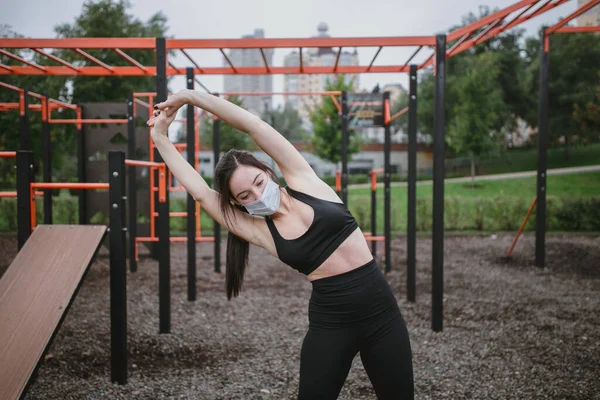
[511, 330]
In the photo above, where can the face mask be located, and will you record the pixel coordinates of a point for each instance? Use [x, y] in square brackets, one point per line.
[268, 202]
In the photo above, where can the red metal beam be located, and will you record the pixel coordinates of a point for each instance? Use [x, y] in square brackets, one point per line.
[581, 10]
[151, 70]
[57, 59]
[470, 43]
[22, 60]
[301, 64]
[489, 19]
[62, 104]
[94, 60]
[77, 43]
[578, 29]
[130, 59]
[253, 43]
[6, 67]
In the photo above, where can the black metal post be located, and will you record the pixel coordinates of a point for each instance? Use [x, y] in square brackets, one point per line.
[81, 157]
[191, 203]
[162, 222]
[437, 273]
[24, 121]
[24, 179]
[118, 267]
[411, 237]
[131, 185]
[540, 217]
[374, 216]
[345, 147]
[47, 160]
[387, 174]
[216, 226]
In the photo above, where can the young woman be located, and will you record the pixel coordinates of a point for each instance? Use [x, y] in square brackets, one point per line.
[352, 308]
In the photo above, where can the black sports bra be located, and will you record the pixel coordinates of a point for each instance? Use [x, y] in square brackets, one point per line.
[332, 224]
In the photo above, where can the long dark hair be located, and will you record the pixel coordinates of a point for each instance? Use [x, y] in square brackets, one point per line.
[237, 248]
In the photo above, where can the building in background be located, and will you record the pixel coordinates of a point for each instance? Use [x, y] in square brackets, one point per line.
[315, 83]
[590, 18]
[250, 83]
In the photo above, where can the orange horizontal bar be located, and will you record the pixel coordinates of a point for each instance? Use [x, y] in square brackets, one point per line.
[14, 194]
[140, 163]
[84, 43]
[8, 154]
[144, 94]
[88, 121]
[377, 171]
[42, 185]
[280, 93]
[142, 103]
[176, 239]
[578, 29]
[63, 104]
[174, 214]
[17, 89]
[151, 70]
[375, 238]
[34, 107]
[269, 43]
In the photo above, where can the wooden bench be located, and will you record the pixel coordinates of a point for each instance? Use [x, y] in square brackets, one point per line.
[35, 294]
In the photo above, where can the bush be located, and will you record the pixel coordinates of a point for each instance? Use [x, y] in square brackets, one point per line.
[579, 214]
[8, 214]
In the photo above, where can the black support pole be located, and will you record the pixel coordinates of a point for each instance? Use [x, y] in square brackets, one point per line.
[387, 174]
[24, 179]
[374, 215]
[345, 147]
[118, 267]
[191, 203]
[216, 227]
[81, 157]
[47, 160]
[131, 185]
[162, 223]
[437, 273]
[411, 237]
[24, 121]
[540, 217]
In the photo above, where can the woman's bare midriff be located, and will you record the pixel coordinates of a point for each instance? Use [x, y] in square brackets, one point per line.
[351, 254]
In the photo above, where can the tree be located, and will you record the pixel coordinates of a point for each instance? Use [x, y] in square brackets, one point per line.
[229, 137]
[588, 116]
[327, 126]
[477, 110]
[573, 79]
[286, 121]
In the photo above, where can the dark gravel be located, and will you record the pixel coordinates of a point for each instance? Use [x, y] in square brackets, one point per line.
[511, 330]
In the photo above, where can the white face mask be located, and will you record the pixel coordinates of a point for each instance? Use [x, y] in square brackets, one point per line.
[268, 203]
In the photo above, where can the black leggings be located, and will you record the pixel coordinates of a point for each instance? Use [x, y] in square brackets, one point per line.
[349, 313]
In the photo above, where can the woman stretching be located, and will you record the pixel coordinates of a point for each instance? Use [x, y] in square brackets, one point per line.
[352, 308]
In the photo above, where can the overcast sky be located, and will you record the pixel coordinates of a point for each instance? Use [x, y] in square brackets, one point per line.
[280, 19]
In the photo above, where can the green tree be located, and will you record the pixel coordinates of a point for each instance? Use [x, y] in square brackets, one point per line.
[229, 137]
[478, 109]
[572, 83]
[286, 121]
[327, 125]
[588, 116]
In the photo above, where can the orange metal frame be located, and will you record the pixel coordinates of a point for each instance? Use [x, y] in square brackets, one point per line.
[561, 27]
[460, 40]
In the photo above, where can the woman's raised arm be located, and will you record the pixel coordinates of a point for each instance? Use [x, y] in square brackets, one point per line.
[289, 160]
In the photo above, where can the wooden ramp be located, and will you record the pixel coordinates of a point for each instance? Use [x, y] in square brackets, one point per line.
[35, 294]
